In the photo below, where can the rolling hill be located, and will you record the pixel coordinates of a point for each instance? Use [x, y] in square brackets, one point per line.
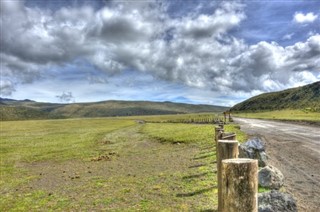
[303, 98]
[27, 109]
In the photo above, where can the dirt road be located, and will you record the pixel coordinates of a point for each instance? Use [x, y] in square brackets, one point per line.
[295, 150]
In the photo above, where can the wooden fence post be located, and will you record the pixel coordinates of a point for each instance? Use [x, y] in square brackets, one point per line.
[226, 149]
[228, 136]
[230, 119]
[218, 134]
[239, 185]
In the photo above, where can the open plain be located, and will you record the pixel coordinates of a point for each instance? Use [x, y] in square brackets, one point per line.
[108, 164]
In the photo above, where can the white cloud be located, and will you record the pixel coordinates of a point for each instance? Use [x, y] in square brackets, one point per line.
[287, 36]
[195, 49]
[302, 78]
[304, 18]
[221, 21]
[269, 66]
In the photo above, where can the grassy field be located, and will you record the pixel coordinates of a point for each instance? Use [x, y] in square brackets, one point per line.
[204, 118]
[290, 115]
[187, 133]
[107, 164]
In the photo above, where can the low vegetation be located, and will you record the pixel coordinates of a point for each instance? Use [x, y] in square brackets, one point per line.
[186, 133]
[289, 115]
[108, 164]
[295, 104]
[192, 118]
[301, 98]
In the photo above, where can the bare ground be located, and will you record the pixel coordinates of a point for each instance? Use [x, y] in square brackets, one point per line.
[295, 150]
[131, 172]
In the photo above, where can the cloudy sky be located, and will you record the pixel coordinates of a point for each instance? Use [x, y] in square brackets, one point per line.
[209, 52]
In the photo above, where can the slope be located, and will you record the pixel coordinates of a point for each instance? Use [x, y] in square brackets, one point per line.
[27, 109]
[303, 98]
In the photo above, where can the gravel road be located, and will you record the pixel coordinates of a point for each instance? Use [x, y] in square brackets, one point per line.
[295, 150]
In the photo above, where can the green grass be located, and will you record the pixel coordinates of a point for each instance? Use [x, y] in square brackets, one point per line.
[303, 97]
[54, 140]
[291, 115]
[183, 118]
[203, 179]
[40, 159]
[187, 133]
[29, 141]
[24, 143]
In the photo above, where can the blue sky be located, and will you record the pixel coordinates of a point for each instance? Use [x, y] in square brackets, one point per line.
[201, 52]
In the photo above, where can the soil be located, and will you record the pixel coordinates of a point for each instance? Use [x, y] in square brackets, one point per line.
[295, 150]
[131, 172]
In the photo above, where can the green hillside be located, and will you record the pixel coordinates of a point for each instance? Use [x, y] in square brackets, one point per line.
[27, 109]
[303, 98]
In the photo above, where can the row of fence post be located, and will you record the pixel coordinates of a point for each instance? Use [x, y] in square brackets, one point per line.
[237, 177]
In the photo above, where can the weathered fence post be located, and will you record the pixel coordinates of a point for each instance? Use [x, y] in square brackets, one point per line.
[230, 119]
[228, 136]
[218, 134]
[226, 149]
[239, 185]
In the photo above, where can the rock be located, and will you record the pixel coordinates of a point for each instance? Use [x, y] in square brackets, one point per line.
[254, 149]
[270, 177]
[140, 121]
[275, 201]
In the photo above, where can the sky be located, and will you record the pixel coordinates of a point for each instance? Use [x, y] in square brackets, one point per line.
[188, 51]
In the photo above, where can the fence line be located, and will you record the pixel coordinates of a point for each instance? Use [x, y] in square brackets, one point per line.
[237, 178]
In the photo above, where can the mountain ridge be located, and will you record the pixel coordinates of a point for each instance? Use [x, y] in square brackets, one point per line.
[305, 97]
[11, 109]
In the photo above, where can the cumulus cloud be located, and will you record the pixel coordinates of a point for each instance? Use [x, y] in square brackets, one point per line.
[226, 17]
[269, 66]
[304, 18]
[195, 49]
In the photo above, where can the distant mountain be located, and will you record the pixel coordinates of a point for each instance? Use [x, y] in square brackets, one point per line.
[305, 97]
[27, 109]
[12, 101]
[2, 100]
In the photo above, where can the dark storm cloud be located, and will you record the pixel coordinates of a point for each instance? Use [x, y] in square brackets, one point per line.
[6, 87]
[195, 49]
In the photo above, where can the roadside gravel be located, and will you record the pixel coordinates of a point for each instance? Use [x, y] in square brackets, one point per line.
[295, 150]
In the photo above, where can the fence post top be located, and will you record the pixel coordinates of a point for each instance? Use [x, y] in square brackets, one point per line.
[240, 160]
[228, 141]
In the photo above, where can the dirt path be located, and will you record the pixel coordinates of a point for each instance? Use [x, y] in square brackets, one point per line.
[295, 150]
